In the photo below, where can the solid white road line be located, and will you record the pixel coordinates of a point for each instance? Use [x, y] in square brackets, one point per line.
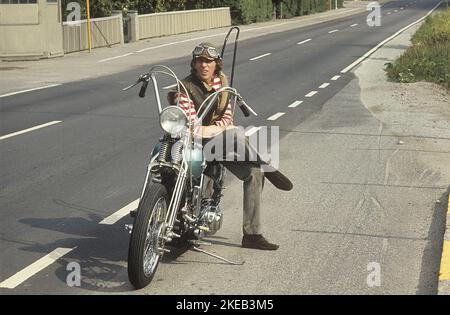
[208, 36]
[179, 42]
[353, 25]
[29, 90]
[333, 31]
[367, 54]
[276, 116]
[324, 85]
[117, 57]
[29, 129]
[311, 94]
[169, 87]
[34, 268]
[335, 77]
[295, 104]
[304, 41]
[259, 57]
[116, 216]
[252, 131]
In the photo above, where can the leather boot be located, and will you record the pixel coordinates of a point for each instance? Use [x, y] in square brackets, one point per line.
[257, 241]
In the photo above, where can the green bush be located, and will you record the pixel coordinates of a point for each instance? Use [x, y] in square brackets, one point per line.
[242, 11]
[249, 11]
[428, 58]
[293, 8]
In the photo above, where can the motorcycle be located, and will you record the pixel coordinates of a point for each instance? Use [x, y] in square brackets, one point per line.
[177, 203]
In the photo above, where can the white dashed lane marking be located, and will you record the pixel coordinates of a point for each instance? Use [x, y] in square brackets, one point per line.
[29, 129]
[259, 57]
[304, 41]
[335, 77]
[276, 116]
[169, 87]
[252, 131]
[324, 85]
[116, 216]
[353, 25]
[295, 104]
[367, 54]
[311, 94]
[34, 268]
[29, 90]
[333, 31]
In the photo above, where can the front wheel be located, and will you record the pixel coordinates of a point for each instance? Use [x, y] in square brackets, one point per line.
[145, 249]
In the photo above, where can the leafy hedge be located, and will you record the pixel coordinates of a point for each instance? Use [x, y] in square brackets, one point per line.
[249, 11]
[242, 11]
[293, 8]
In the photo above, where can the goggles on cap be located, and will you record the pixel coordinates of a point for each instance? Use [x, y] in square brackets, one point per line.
[211, 52]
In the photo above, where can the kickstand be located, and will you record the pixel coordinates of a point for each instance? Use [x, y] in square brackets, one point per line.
[195, 248]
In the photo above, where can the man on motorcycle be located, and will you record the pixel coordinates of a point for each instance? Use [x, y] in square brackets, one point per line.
[207, 77]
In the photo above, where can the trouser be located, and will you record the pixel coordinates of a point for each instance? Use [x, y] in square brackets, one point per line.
[253, 179]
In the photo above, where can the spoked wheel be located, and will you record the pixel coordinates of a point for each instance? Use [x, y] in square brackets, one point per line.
[146, 242]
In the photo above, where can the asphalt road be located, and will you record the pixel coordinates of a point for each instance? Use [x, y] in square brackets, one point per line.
[60, 181]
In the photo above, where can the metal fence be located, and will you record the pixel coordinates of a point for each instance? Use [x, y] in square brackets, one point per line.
[110, 31]
[105, 32]
[177, 22]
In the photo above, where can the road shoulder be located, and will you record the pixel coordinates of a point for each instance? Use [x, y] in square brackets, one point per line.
[419, 110]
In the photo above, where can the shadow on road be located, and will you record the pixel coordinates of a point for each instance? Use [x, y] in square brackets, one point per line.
[100, 250]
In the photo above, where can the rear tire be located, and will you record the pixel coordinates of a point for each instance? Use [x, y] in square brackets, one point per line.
[149, 223]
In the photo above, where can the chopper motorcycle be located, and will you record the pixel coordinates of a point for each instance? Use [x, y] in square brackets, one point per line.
[177, 203]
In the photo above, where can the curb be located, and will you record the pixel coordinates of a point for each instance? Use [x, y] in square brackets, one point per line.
[444, 272]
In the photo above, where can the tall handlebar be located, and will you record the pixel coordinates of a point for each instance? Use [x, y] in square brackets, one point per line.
[238, 30]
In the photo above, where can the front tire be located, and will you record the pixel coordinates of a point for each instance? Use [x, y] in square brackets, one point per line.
[144, 251]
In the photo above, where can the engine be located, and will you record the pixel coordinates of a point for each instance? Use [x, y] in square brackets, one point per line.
[213, 218]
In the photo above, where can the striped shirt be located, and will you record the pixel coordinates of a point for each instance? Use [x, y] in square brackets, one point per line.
[189, 108]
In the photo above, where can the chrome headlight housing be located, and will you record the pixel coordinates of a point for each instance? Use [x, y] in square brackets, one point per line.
[173, 120]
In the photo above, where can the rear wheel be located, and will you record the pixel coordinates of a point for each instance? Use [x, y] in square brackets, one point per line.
[146, 243]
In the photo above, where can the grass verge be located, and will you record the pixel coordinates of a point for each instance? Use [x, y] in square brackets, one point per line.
[428, 58]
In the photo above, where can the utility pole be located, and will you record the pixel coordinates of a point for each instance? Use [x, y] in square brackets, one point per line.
[88, 11]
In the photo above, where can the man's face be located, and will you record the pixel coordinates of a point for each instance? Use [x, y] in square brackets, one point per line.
[205, 69]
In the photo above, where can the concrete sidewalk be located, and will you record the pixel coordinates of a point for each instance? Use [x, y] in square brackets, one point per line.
[419, 113]
[17, 76]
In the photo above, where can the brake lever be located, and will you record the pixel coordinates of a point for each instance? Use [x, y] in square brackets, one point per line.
[131, 86]
[142, 78]
[246, 110]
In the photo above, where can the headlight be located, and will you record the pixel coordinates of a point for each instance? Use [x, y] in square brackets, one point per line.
[173, 120]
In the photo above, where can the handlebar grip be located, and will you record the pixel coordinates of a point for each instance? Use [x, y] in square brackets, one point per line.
[244, 110]
[143, 89]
